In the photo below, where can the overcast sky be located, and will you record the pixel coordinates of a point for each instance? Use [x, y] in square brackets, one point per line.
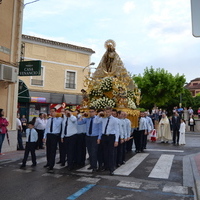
[147, 33]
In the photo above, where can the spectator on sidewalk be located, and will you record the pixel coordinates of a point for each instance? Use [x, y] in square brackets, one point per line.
[24, 123]
[19, 133]
[31, 139]
[191, 122]
[3, 128]
[40, 127]
[198, 112]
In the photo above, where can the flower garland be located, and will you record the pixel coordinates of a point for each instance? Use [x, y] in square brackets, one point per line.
[130, 94]
[95, 93]
[102, 103]
[131, 103]
[106, 84]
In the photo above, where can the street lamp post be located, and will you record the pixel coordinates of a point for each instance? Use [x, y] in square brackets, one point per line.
[92, 63]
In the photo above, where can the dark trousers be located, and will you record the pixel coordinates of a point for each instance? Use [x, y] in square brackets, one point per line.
[61, 148]
[138, 139]
[129, 145]
[108, 151]
[20, 142]
[123, 152]
[80, 155]
[40, 138]
[191, 127]
[51, 145]
[2, 136]
[100, 156]
[119, 153]
[69, 150]
[144, 141]
[92, 147]
[175, 136]
[30, 147]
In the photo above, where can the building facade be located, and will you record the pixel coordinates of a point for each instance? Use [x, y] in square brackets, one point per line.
[10, 44]
[63, 69]
[194, 86]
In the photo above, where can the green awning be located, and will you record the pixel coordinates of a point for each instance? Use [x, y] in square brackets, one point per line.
[23, 92]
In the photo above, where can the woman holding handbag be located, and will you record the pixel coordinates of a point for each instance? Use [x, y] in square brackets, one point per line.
[3, 128]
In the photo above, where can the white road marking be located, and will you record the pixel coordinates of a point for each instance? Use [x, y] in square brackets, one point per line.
[22, 170]
[89, 180]
[176, 189]
[126, 184]
[162, 167]
[131, 164]
[177, 151]
[52, 175]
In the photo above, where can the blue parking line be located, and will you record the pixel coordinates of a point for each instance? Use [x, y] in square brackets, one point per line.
[80, 192]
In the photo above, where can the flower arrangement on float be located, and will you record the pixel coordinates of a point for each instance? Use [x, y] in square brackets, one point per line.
[102, 102]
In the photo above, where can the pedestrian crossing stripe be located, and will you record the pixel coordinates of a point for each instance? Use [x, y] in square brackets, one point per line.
[84, 169]
[162, 167]
[131, 164]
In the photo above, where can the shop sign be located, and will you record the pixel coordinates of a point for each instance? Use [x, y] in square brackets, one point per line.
[38, 100]
[30, 68]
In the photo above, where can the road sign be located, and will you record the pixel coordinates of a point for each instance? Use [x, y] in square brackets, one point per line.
[195, 9]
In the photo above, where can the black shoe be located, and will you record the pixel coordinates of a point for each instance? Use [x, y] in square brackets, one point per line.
[94, 170]
[22, 166]
[50, 170]
[103, 169]
[118, 165]
[89, 168]
[70, 168]
[45, 166]
[111, 173]
[59, 162]
[62, 165]
[33, 165]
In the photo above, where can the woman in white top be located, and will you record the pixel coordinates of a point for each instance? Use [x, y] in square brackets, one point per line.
[182, 132]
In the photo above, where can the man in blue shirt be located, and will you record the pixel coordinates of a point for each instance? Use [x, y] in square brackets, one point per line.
[51, 136]
[109, 139]
[93, 136]
[68, 138]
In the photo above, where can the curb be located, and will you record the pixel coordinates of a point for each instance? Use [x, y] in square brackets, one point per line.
[196, 176]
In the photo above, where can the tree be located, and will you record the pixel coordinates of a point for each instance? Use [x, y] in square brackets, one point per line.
[158, 86]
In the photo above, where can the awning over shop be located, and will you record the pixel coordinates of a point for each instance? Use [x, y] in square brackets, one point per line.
[55, 98]
[23, 92]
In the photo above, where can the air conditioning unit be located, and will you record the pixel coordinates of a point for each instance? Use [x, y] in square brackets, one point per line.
[8, 73]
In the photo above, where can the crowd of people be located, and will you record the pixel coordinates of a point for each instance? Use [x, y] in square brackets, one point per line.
[105, 134]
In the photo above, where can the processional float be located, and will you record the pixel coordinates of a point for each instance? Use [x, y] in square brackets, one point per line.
[111, 86]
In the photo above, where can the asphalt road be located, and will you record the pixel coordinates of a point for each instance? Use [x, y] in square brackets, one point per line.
[161, 172]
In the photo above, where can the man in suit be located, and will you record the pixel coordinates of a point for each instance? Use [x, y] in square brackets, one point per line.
[176, 120]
